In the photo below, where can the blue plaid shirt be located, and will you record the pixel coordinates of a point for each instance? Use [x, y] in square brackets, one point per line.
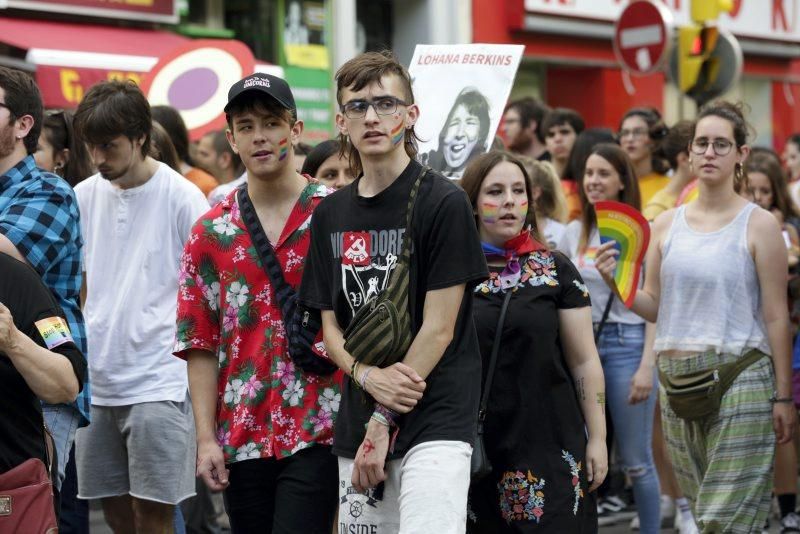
[39, 214]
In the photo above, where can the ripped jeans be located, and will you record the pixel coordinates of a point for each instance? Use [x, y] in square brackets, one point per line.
[620, 347]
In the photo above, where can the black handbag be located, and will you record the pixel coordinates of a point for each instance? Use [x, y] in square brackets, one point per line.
[480, 466]
[302, 324]
[380, 332]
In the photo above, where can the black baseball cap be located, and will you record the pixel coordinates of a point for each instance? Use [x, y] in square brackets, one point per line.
[265, 83]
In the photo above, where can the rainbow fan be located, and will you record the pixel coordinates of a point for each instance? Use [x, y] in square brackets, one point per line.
[631, 233]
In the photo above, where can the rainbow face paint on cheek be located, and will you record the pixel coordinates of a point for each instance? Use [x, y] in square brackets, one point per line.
[398, 134]
[283, 149]
[488, 212]
[521, 210]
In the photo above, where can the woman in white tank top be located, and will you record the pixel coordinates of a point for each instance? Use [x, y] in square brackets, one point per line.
[716, 288]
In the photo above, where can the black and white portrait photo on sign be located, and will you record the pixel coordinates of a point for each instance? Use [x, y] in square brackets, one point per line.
[461, 91]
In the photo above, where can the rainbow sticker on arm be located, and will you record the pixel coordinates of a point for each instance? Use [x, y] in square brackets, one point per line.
[283, 149]
[631, 233]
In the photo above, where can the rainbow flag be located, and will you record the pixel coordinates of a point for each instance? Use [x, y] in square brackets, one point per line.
[631, 233]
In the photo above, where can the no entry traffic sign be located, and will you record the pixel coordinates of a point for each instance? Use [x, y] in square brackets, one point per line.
[643, 36]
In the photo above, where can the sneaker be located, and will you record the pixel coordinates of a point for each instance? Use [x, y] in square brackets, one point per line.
[620, 508]
[684, 524]
[635, 523]
[605, 513]
[790, 523]
[668, 511]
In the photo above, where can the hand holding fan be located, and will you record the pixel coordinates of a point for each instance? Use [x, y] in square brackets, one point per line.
[631, 233]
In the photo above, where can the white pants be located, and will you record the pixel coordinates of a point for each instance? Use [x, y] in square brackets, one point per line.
[424, 492]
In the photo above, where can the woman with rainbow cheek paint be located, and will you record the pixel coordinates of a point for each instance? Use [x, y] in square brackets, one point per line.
[545, 346]
[629, 369]
[502, 204]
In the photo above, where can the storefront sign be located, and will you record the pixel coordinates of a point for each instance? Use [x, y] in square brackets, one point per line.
[306, 62]
[64, 87]
[195, 78]
[763, 19]
[151, 10]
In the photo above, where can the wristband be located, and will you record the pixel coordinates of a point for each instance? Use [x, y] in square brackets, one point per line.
[381, 419]
[363, 381]
[390, 415]
[775, 399]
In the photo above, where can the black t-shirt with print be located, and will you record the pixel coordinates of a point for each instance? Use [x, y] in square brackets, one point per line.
[354, 243]
[29, 301]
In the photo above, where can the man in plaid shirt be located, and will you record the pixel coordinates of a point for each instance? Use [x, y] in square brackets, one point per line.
[39, 225]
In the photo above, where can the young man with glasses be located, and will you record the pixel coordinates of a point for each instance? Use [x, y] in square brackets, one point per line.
[39, 225]
[404, 432]
[264, 427]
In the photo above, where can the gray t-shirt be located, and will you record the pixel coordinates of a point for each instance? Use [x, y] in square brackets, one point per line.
[598, 290]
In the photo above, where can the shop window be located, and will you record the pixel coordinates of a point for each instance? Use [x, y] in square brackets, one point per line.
[254, 21]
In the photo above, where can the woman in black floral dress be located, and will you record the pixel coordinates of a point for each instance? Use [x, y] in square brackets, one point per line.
[545, 423]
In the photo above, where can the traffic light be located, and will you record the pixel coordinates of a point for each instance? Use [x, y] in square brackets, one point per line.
[709, 10]
[695, 45]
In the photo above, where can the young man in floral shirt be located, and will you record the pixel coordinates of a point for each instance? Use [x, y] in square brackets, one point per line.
[264, 428]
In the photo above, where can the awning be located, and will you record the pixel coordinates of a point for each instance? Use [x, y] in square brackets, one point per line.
[69, 58]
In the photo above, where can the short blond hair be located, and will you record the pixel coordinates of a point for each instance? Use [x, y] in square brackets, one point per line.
[551, 203]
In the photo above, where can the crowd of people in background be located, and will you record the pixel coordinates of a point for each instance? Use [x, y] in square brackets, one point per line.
[153, 289]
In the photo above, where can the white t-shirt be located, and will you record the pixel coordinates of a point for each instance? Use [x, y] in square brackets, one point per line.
[133, 241]
[553, 232]
[219, 193]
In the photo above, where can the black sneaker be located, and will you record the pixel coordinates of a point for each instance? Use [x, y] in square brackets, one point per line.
[622, 510]
[605, 513]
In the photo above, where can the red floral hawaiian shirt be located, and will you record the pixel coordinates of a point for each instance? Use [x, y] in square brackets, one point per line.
[226, 305]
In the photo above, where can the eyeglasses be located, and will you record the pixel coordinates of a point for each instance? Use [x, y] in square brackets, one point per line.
[635, 132]
[385, 105]
[721, 146]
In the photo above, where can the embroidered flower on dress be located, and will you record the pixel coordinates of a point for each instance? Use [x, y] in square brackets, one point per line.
[540, 269]
[582, 287]
[575, 470]
[521, 496]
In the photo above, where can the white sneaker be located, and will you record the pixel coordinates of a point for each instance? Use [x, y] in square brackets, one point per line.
[684, 524]
[790, 523]
[635, 523]
[667, 508]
